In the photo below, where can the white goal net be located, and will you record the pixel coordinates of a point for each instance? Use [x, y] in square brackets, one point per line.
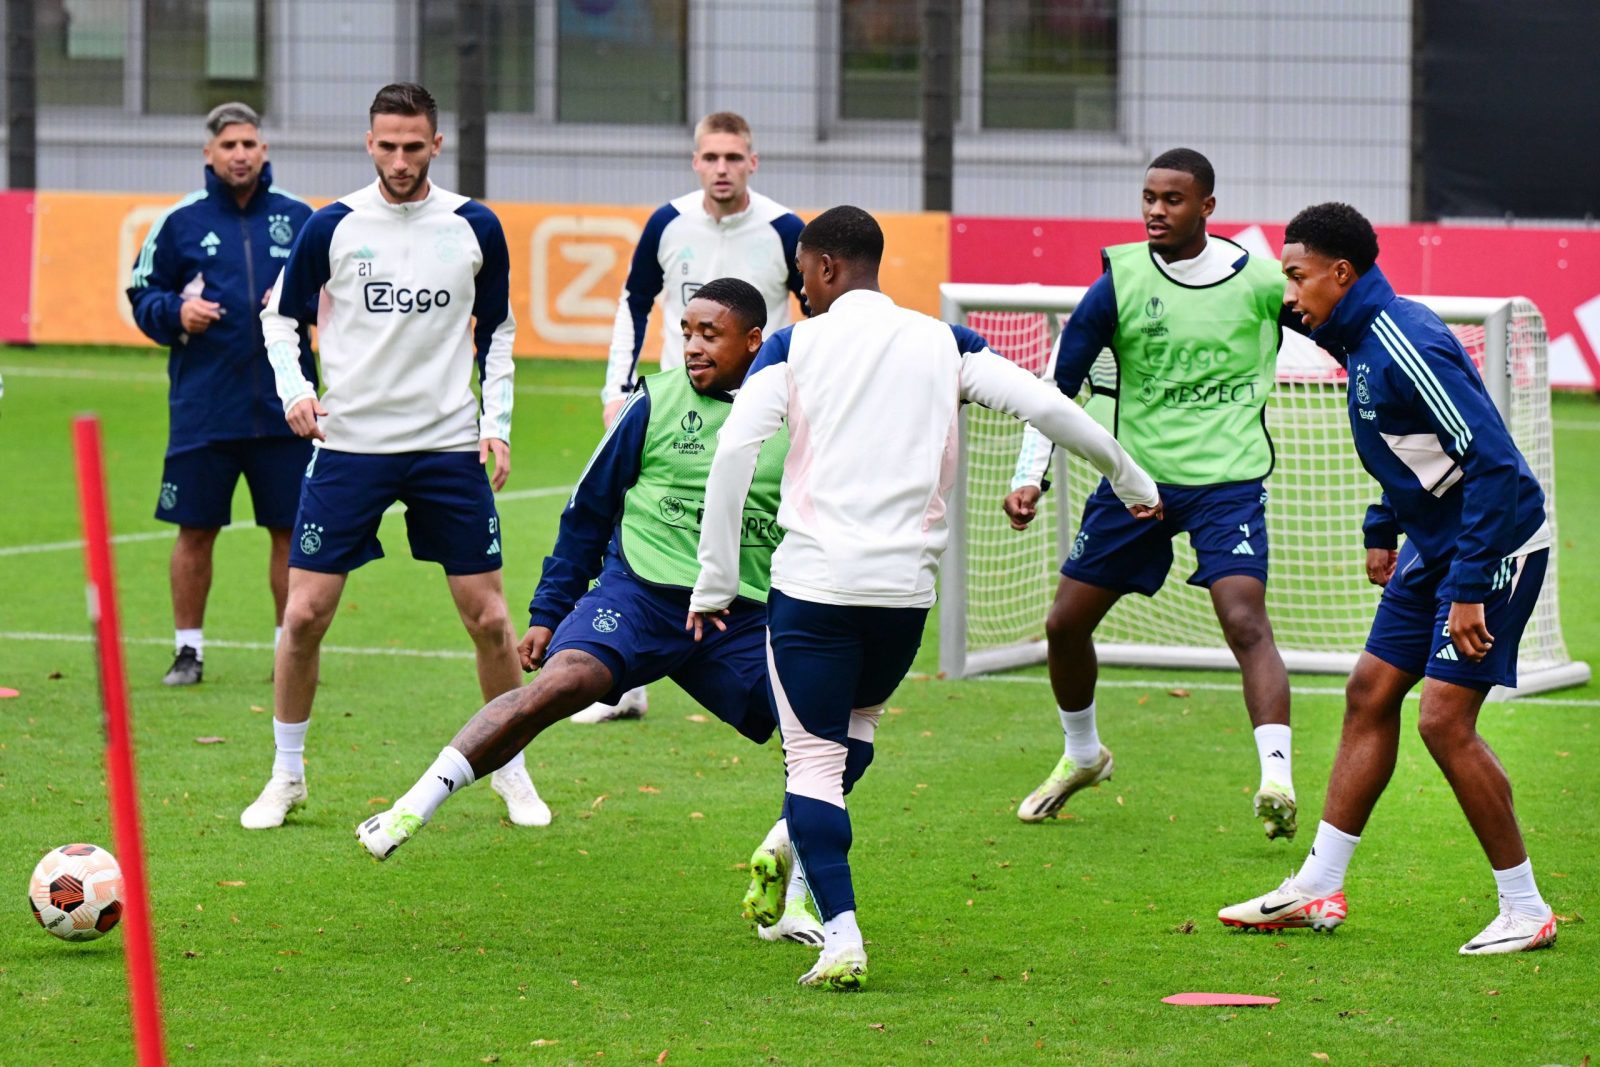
[998, 583]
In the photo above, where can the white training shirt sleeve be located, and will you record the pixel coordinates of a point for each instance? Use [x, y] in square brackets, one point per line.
[1033, 456]
[282, 335]
[996, 382]
[758, 413]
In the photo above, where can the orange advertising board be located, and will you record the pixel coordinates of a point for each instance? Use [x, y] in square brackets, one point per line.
[568, 265]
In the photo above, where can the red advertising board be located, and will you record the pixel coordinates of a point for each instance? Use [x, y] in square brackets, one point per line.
[1559, 270]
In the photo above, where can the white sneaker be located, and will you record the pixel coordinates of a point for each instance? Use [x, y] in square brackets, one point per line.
[281, 796]
[387, 831]
[842, 968]
[633, 705]
[1513, 933]
[522, 800]
[1288, 907]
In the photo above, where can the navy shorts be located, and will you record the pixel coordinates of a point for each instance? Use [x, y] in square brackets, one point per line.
[637, 631]
[1226, 524]
[1408, 631]
[450, 514]
[197, 485]
[831, 659]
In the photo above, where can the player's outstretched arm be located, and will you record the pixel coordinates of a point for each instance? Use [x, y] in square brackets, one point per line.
[758, 412]
[998, 383]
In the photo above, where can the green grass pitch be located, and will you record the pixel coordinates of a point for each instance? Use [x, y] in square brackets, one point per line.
[613, 936]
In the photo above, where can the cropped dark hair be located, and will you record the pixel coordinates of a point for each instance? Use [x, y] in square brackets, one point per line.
[739, 297]
[1335, 230]
[405, 98]
[1189, 162]
[845, 233]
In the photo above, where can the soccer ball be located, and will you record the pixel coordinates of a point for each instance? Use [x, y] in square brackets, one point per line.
[76, 892]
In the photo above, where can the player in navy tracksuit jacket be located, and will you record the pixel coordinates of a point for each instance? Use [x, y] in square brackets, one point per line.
[197, 287]
[1457, 595]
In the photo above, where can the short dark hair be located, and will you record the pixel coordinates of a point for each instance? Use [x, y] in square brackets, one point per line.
[1189, 162]
[233, 113]
[846, 233]
[1335, 230]
[405, 98]
[739, 297]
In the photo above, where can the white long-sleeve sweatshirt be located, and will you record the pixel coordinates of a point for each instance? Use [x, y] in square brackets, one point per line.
[406, 297]
[872, 394]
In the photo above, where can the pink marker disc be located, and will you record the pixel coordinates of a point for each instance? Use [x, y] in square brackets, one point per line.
[4, 693]
[1219, 999]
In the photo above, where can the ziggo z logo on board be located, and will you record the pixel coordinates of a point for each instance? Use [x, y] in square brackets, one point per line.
[576, 270]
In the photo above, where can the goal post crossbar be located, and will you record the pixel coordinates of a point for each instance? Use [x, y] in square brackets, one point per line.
[997, 584]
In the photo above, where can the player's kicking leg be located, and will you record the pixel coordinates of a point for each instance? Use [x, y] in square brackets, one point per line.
[1240, 601]
[1070, 626]
[570, 680]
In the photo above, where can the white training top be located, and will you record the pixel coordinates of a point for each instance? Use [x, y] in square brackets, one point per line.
[872, 393]
[404, 297]
[681, 249]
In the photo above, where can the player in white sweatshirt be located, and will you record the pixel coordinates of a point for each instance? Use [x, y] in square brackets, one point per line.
[413, 286]
[872, 394]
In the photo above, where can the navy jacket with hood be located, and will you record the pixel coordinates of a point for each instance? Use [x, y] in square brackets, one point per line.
[221, 385]
[1425, 427]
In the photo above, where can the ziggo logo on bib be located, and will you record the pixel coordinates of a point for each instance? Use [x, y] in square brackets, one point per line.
[383, 296]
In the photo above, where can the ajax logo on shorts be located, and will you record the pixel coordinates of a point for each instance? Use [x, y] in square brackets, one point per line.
[310, 539]
[1078, 544]
[606, 620]
[169, 496]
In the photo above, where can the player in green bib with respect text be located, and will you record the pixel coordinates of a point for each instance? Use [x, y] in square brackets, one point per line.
[1194, 323]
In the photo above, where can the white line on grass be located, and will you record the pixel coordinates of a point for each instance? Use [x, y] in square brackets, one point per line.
[153, 378]
[424, 653]
[1226, 687]
[168, 534]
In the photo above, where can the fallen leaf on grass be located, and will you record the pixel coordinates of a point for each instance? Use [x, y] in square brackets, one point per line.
[211, 740]
[697, 717]
[1491, 992]
[1323, 1056]
[597, 801]
[541, 1042]
[697, 815]
[231, 883]
[294, 952]
[257, 708]
[373, 802]
[1144, 698]
[1179, 693]
[488, 1059]
[663, 1057]
[878, 1027]
[1185, 927]
[648, 789]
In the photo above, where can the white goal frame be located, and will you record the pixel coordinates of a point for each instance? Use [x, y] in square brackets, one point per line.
[1517, 382]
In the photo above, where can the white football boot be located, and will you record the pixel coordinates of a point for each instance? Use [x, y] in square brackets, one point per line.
[1513, 933]
[523, 804]
[281, 796]
[1288, 907]
[633, 705]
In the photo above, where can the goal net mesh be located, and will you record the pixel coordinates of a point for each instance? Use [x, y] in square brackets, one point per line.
[1318, 597]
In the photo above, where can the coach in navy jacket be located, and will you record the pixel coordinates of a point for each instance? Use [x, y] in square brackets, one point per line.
[197, 287]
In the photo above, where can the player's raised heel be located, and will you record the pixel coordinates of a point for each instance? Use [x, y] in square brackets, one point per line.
[1065, 780]
[797, 925]
[1288, 907]
[844, 969]
[769, 880]
[1275, 807]
[387, 831]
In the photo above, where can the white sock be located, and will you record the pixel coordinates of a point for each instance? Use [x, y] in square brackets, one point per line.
[1517, 890]
[194, 639]
[519, 760]
[1083, 740]
[841, 930]
[448, 774]
[1272, 745]
[1323, 871]
[290, 738]
[277, 636]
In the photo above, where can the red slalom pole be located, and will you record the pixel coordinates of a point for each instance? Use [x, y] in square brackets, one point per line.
[139, 949]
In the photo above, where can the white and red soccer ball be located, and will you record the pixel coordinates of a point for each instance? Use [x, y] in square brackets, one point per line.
[76, 892]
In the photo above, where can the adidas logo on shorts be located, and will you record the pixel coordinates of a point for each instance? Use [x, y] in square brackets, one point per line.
[1448, 652]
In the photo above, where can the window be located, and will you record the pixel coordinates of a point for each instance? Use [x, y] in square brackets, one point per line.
[201, 53]
[1046, 64]
[622, 61]
[1050, 64]
[79, 48]
[511, 38]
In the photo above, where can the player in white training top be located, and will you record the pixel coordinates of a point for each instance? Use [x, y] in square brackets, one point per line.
[414, 287]
[872, 394]
[722, 229]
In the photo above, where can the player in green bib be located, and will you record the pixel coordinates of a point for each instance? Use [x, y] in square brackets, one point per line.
[632, 527]
[1193, 323]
